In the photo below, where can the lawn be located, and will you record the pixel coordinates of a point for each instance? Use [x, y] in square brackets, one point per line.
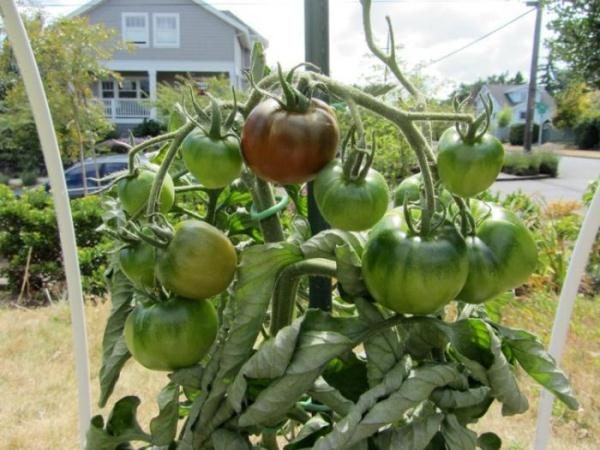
[39, 403]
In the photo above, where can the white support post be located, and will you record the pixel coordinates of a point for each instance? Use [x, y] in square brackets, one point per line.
[153, 90]
[581, 252]
[39, 104]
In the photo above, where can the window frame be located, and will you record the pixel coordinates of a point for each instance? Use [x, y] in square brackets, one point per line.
[155, 17]
[146, 17]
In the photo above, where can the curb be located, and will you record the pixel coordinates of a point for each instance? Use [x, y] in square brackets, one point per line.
[526, 177]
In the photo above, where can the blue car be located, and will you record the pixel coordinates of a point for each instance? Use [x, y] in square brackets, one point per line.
[95, 169]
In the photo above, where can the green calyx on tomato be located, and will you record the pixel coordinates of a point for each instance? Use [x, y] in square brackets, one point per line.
[413, 274]
[214, 162]
[502, 253]
[171, 335]
[289, 143]
[350, 195]
[199, 261]
[133, 191]
[137, 261]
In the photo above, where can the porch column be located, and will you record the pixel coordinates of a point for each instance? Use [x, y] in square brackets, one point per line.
[153, 84]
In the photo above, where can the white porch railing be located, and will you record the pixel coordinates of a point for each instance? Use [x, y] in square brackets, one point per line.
[119, 110]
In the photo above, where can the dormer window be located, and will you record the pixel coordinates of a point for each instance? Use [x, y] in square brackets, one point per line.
[166, 30]
[516, 97]
[136, 29]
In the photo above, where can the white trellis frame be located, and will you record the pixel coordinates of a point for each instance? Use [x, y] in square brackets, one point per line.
[43, 120]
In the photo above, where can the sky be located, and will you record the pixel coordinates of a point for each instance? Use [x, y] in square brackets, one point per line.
[427, 30]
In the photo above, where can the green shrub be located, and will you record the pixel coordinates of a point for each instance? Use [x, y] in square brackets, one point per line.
[29, 222]
[4, 179]
[587, 132]
[531, 163]
[517, 133]
[148, 127]
[504, 117]
[29, 178]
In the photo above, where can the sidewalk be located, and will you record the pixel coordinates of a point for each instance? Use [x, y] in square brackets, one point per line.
[560, 149]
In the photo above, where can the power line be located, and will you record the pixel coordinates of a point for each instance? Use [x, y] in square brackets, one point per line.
[481, 38]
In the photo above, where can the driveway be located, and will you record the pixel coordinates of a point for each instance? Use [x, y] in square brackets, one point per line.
[573, 177]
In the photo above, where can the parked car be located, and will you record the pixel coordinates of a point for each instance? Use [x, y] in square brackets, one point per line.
[95, 169]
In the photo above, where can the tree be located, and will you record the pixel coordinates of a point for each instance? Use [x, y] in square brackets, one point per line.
[576, 25]
[68, 53]
[572, 104]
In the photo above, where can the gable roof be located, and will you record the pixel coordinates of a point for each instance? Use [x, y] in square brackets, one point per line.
[500, 91]
[246, 33]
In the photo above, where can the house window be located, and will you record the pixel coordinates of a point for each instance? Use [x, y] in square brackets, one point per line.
[166, 30]
[108, 89]
[136, 28]
[523, 115]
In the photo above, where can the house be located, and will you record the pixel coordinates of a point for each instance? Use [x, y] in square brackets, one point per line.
[170, 38]
[514, 96]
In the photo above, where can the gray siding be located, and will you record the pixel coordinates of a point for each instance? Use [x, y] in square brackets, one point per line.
[203, 36]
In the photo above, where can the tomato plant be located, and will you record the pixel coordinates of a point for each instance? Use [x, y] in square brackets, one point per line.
[171, 335]
[402, 362]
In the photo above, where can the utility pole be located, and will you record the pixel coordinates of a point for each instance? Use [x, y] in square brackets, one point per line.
[316, 48]
[533, 76]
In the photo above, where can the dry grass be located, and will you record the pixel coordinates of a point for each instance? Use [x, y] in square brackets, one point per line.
[38, 402]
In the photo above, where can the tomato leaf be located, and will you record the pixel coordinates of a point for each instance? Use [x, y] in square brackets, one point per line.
[331, 397]
[489, 441]
[416, 434]
[114, 351]
[457, 436]
[321, 338]
[383, 349]
[310, 432]
[188, 377]
[223, 439]
[539, 364]
[295, 193]
[270, 361]
[324, 244]
[340, 436]
[452, 399]
[121, 428]
[164, 426]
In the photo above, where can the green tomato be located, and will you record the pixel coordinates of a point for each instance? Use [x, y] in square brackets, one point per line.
[410, 188]
[198, 263]
[137, 263]
[350, 205]
[468, 168]
[411, 274]
[171, 335]
[502, 254]
[134, 192]
[214, 162]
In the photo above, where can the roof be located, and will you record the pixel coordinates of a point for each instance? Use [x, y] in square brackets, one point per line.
[246, 33]
[500, 91]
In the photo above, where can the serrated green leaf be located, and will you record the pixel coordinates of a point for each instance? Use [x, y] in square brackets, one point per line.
[457, 436]
[309, 433]
[383, 348]
[331, 397]
[121, 428]
[539, 364]
[223, 439]
[188, 377]
[270, 361]
[349, 270]
[489, 441]
[453, 399]
[324, 244]
[295, 192]
[414, 435]
[163, 427]
[347, 374]
[342, 432]
[114, 351]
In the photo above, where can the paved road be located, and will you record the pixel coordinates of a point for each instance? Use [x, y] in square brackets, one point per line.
[574, 175]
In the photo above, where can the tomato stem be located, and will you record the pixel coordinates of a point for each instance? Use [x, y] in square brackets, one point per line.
[178, 138]
[284, 295]
[146, 144]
